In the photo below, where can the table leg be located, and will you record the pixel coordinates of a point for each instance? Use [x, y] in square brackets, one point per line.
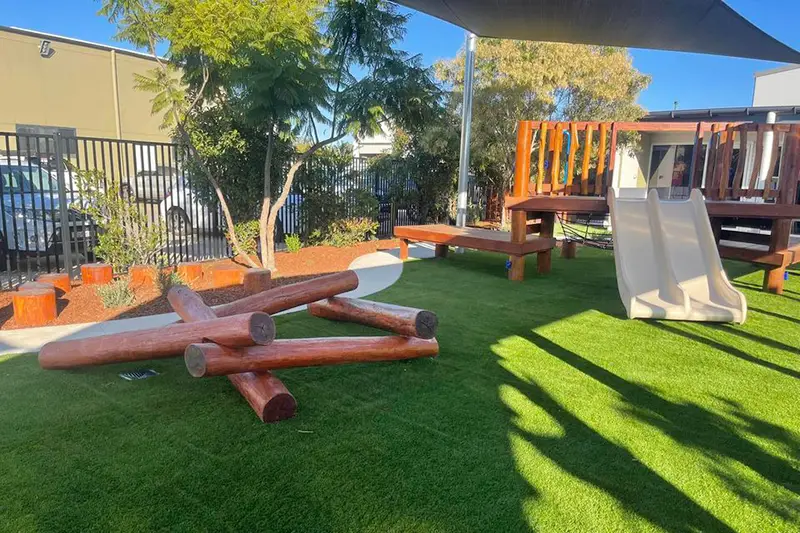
[544, 259]
[403, 249]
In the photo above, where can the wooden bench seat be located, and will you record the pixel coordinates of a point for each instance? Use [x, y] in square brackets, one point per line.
[474, 238]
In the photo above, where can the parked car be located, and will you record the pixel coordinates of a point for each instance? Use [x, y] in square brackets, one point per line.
[152, 185]
[32, 210]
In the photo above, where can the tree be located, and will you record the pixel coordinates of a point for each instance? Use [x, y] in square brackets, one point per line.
[524, 80]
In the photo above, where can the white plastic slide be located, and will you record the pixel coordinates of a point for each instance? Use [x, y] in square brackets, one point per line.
[667, 261]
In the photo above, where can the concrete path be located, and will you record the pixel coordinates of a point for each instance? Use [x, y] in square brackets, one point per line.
[376, 271]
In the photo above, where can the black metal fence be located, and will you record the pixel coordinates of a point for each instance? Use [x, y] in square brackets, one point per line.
[42, 231]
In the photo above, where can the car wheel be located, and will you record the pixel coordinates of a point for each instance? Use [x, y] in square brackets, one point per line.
[178, 222]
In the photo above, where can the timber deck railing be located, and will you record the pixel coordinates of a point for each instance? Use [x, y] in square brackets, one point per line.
[578, 158]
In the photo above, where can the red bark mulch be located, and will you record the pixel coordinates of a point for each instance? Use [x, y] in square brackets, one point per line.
[82, 304]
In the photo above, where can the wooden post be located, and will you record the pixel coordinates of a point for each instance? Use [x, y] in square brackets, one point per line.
[542, 152]
[727, 156]
[522, 167]
[772, 160]
[288, 296]
[441, 251]
[587, 156]
[569, 249]
[58, 280]
[226, 276]
[751, 187]
[519, 233]
[738, 176]
[204, 360]
[265, 393]
[157, 343]
[790, 170]
[257, 280]
[96, 274]
[406, 321]
[191, 272]
[34, 307]
[600, 172]
[778, 242]
[544, 259]
[555, 167]
[141, 275]
[696, 170]
[612, 159]
[403, 249]
[573, 150]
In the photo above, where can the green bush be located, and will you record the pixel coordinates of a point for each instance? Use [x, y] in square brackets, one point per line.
[116, 294]
[293, 243]
[350, 231]
[164, 279]
[247, 233]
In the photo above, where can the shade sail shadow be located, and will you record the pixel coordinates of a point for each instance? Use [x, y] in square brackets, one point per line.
[773, 314]
[758, 339]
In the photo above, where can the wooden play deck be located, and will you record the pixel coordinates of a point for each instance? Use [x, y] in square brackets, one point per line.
[477, 239]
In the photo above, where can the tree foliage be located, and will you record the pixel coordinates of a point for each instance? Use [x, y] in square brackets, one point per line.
[516, 80]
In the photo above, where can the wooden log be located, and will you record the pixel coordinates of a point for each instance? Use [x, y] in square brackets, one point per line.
[569, 249]
[288, 296]
[206, 359]
[141, 275]
[441, 251]
[34, 307]
[35, 286]
[403, 249]
[226, 276]
[265, 393]
[406, 321]
[96, 274]
[59, 280]
[156, 343]
[257, 280]
[190, 272]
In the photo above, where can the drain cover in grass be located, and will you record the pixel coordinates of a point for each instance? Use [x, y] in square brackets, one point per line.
[138, 374]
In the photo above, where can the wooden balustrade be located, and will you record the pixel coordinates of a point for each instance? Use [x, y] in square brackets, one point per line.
[585, 163]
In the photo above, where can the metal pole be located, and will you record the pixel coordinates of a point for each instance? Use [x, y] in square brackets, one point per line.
[66, 241]
[466, 124]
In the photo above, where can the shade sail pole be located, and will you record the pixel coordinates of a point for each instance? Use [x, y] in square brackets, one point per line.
[466, 125]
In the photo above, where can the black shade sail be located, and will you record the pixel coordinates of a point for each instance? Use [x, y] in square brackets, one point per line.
[703, 26]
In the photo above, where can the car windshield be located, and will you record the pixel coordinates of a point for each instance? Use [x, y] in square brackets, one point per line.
[24, 178]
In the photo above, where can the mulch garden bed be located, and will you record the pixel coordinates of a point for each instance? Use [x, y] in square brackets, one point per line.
[82, 304]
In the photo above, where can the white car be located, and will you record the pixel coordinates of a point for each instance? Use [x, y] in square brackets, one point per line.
[151, 185]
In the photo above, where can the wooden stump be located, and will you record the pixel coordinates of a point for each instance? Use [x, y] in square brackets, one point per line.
[35, 286]
[60, 281]
[569, 249]
[141, 275]
[96, 274]
[35, 307]
[190, 273]
[257, 280]
[226, 276]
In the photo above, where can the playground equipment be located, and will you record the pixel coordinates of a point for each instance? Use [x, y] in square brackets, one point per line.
[226, 340]
[667, 263]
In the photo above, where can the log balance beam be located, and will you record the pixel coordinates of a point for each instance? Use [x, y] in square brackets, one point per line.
[205, 359]
[406, 321]
[266, 394]
[170, 341]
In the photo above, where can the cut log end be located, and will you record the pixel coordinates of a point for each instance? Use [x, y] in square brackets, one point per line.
[279, 407]
[195, 361]
[426, 323]
[262, 328]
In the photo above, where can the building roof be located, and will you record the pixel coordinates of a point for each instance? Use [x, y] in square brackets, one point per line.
[704, 26]
[776, 70]
[722, 114]
[79, 42]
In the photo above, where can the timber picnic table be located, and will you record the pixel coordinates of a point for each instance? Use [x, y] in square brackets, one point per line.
[486, 240]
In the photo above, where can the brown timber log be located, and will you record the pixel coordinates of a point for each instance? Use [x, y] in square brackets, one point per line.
[140, 275]
[257, 280]
[226, 276]
[207, 359]
[35, 286]
[288, 296]
[265, 393]
[156, 343]
[96, 274]
[59, 280]
[34, 307]
[190, 272]
[406, 321]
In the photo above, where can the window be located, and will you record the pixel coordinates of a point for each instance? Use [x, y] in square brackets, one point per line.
[670, 165]
[22, 178]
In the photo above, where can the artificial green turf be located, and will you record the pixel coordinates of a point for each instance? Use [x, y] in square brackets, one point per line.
[545, 411]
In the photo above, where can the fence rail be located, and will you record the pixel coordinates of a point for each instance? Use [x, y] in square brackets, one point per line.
[42, 231]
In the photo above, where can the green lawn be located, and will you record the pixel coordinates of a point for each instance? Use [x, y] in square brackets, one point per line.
[545, 411]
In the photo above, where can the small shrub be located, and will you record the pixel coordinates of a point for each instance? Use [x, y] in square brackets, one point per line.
[164, 279]
[247, 233]
[293, 243]
[116, 294]
[350, 231]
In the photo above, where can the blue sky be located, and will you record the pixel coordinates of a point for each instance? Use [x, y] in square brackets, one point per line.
[694, 80]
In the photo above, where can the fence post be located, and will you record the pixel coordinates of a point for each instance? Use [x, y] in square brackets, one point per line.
[66, 242]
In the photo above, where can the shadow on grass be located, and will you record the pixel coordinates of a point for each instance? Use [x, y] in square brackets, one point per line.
[773, 314]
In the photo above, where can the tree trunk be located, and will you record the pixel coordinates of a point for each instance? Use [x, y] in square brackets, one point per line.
[267, 252]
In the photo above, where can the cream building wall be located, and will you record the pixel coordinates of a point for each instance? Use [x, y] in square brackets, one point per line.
[80, 85]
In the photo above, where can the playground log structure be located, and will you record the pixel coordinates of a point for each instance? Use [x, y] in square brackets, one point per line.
[225, 340]
[739, 190]
[266, 394]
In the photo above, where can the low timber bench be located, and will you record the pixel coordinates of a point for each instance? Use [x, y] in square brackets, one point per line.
[474, 238]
